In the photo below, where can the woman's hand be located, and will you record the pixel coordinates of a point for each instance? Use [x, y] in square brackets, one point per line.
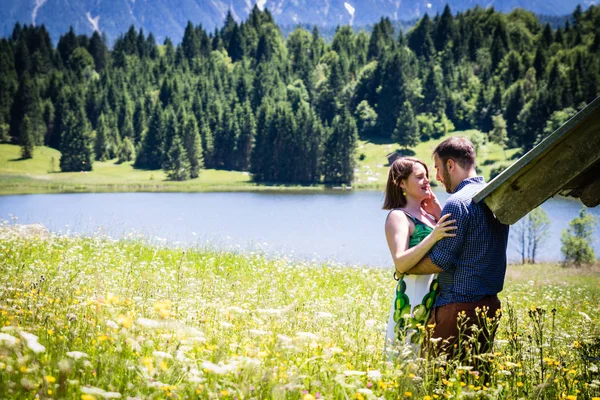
[443, 228]
[432, 206]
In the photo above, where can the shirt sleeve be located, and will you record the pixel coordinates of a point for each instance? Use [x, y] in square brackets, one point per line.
[445, 252]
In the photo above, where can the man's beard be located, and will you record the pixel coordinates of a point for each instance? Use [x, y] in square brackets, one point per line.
[447, 179]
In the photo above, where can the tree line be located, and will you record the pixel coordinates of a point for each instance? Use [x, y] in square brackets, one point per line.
[290, 110]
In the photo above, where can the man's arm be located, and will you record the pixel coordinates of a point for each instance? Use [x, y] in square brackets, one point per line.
[425, 267]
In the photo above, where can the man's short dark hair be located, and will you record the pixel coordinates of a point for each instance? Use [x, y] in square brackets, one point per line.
[458, 148]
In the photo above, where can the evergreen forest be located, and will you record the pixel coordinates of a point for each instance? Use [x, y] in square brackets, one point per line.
[291, 109]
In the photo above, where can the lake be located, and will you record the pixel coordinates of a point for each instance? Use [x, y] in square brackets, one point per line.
[345, 227]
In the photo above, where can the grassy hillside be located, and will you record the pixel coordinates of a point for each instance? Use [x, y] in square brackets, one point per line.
[90, 318]
[372, 171]
[42, 173]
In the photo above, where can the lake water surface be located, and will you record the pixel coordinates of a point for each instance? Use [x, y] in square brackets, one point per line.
[343, 227]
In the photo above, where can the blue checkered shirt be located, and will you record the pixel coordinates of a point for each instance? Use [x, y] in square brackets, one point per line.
[474, 261]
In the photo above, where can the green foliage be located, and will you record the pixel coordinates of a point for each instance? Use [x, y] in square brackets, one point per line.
[76, 144]
[406, 133]
[126, 151]
[266, 104]
[576, 240]
[26, 139]
[177, 165]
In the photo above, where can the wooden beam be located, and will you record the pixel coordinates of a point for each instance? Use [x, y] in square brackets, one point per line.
[570, 152]
[590, 196]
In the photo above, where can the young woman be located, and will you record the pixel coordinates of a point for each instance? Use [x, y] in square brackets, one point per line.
[412, 227]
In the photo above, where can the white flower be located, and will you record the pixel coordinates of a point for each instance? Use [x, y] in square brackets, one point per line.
[112, 324]
[148, 323]
[306, 335]
[259, 332]
[32, 342]
[374, 374]
[8, 339]
[370, 323]
[585, 316]
[161, 354]
[77, 354]
[323, 314]
[226, 324]
[284, 338]
[219, 369]
[94, 391]
[354, 373]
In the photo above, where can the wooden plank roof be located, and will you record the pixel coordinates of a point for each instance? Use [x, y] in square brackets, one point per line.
[566, 162]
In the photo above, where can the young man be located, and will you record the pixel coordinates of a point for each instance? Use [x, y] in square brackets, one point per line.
[472, 264]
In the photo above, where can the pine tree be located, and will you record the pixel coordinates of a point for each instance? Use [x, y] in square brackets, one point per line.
[76, 146]
[177, 165]
[193, 145]
[26, 139]
[151, 153]
[126, 151]
[101, 146]
[340, 147]
[406, 133]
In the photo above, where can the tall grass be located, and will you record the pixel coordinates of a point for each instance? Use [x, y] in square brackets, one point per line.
[93, 318]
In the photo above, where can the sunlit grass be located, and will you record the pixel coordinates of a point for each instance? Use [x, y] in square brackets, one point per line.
[93, 318]
[42, 173]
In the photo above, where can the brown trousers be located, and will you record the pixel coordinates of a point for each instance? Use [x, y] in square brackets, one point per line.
[453, 332]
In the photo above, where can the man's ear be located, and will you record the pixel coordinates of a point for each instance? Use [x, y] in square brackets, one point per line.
[450, 165]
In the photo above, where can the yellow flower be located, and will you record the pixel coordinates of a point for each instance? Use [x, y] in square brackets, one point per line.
[358, 397]
[427, 398]
[162, 307]
[50, 379]
[163, 365]
[519, 384]
[124, 321]
[407, 394]
[50, 332]
[224, 393]
[87, 397]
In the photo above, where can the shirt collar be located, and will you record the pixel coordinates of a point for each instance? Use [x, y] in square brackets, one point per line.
[475, 179]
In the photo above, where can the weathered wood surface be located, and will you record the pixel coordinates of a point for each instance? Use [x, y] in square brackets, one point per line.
[547, 169]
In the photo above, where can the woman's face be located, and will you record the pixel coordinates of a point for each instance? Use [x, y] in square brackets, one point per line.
[417, 184]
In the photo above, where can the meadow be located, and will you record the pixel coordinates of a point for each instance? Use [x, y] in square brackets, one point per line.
[41, 174]
[94, 318]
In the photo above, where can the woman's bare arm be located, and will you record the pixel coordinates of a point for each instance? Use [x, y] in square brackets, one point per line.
[397, 233]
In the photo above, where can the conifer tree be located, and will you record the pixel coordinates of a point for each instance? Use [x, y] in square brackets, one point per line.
[101, 146]
[26, 139]
[340, 147]
[406, 133]
[177, 165]
[151, 153]
[126, 151]
[76, 146]
[193, 145]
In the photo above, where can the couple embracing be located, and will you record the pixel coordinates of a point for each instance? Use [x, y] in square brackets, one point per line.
[450, 261]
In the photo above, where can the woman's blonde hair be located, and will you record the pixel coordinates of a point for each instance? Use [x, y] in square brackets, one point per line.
[399, 171]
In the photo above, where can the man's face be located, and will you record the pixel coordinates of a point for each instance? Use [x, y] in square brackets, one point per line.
[442, 174]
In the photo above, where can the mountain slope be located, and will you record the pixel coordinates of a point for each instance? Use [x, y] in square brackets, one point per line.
[168, 17]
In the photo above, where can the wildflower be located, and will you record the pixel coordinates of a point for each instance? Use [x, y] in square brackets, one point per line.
[407, 394]
[162, 307]
[124, 321]
[50, 379]
[32, 342]
[94, 391]
[77, 354]
[8, 339]
[308, 396]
